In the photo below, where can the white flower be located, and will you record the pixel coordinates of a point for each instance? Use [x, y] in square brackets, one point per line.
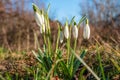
[42, 29]
[61, 37]
[40, 21]
[75, 31]
[86, 31]
[66, 31]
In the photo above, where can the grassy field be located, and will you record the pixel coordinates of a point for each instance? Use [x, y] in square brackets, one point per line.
[102, 56]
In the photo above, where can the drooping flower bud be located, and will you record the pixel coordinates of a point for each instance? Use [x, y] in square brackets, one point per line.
[86, 31]
[75, 31]
[66, 31]
[42, 29]
[39, 17]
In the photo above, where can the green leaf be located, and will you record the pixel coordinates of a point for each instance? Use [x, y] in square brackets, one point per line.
[115, 64]
[88, 68]
[100, 64]
[81, 77]
[8, 76]
[64, 70]
[59, 54]
[47, 63]
[77, 62]
[48, 8]
[40, 52]
[82, 19]
[72, 20]
[66, 23]
[2, 78]
[83, 53]
[57, 42]
[35, 7]
[37, 57]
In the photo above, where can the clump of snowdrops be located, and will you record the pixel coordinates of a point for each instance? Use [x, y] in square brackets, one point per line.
[51, 62]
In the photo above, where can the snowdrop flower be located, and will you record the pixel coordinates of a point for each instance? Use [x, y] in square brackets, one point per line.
[39, 17]
[42, 29]
[75, 31]
[40, 21]
[86, 31]
[66, 31]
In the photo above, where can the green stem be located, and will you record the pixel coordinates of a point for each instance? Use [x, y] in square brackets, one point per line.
[75, 42]
[72, 58]
[48, 26]
[44, 37]
[57, 39]
[68, 49]
[49, 45]
[48, 34]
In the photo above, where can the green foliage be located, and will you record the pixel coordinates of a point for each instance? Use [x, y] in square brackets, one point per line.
[45, 60]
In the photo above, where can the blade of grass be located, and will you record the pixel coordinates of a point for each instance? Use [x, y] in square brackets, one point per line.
[72, 20]
[81, 20]
[58, 38]
[71, 23]
[116, 64]
[81, 77]
[37, 57]
[100, 63]
[71, 65]
[77, 62]
[68, 51]
[2, 78]
[53, 68]
[89, 69]
[48, 8]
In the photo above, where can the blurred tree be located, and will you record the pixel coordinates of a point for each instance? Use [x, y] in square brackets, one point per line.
[39, 3]
[8, 5]
[2, 7]
[101, 11]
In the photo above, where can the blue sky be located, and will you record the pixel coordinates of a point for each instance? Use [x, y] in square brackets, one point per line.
[60, 10]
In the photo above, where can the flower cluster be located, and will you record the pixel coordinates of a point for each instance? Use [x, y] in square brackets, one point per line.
[65, 32]
[86, 31]
[51, 60]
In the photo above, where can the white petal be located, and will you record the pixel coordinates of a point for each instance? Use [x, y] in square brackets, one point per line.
[38, 18]
[66, 32]
[42, 29]
[75, 32]
[42, 17]
[40, 21]
[86, 32]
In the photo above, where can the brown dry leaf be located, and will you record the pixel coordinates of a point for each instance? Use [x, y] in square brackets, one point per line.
[55, 78]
